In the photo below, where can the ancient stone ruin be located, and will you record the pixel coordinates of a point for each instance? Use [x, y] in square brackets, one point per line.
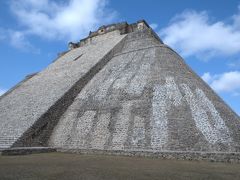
[121, 90]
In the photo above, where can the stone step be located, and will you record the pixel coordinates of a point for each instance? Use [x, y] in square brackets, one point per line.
[3, 143]
[8, 139]
[4, 146]
[6, 142]
[5, 137]
[27, 150]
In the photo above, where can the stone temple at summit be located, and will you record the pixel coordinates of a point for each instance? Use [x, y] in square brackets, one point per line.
[119, 90]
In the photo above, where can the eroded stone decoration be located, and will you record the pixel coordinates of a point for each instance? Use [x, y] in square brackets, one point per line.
[101, 132]
[121, 127]
[164, 96]
[83, 127]
[204, 112]
[138, 135]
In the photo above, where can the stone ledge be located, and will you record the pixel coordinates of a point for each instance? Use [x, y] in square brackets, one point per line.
[231, 157]
[123, 28]
[26, 150]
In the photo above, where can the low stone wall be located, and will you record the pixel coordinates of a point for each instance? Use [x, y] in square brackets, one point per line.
[231, 157]
[27, 150]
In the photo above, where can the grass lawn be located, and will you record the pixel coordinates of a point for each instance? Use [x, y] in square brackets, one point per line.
[75, 166]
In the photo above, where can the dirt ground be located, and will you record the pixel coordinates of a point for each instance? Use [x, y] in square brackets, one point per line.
[74, 166]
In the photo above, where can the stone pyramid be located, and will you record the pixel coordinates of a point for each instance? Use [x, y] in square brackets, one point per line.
[121, 89]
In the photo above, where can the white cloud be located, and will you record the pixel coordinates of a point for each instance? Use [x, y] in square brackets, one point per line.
[226, 82]
[234, 65]
[193, 33]
[18, 40]
[2, 34]
[207, 77]
[69, 20]
[2, 91]
[153, 26]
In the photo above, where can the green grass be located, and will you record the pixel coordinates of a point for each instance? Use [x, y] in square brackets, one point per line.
[74, 166]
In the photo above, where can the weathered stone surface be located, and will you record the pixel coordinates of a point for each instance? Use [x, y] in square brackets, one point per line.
[27, 150]
[154, 102]
[233, 157]
[121, 90]
[25, 105]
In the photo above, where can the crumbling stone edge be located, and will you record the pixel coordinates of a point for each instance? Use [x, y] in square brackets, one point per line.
[26, 150]
[230, 157]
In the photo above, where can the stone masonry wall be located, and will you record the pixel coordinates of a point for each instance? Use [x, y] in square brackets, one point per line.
[121, 93]
[146, 98]
[21, 109]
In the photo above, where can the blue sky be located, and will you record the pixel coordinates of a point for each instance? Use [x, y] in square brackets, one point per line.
[205, 33]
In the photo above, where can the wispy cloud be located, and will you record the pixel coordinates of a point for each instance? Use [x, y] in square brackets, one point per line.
[2, 91]
[193, 33]
[207, 77]
[154, 26]
[234, 64]
[68, 20]
[17, 39]
[226, 82]
[2, 34]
